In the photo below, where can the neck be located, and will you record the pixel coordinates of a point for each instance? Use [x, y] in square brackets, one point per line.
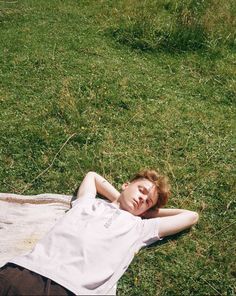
[117, 202]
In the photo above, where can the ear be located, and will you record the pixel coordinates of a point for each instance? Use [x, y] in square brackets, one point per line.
[125, 185]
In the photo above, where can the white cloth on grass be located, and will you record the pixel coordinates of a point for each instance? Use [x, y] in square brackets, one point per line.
[25, 219]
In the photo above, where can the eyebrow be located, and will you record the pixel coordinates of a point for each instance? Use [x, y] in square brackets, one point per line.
[149, 191]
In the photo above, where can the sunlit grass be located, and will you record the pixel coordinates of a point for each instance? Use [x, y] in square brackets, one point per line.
[63, 72]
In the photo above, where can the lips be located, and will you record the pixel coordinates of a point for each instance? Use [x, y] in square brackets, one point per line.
[135, 203]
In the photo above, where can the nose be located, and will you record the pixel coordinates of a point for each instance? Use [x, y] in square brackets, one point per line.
[142, 198]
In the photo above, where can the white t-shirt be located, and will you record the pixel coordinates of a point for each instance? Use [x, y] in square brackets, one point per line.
[89, 249]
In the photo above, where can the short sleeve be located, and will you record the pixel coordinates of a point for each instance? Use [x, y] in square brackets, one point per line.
[150, 233]
[84, 199]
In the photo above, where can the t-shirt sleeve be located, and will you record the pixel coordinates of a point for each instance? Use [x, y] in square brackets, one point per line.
[150, 233]
[83, 199]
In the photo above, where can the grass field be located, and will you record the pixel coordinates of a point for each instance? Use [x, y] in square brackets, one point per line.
[116, 86]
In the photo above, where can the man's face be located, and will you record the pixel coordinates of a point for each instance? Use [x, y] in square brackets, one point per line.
[138, 196]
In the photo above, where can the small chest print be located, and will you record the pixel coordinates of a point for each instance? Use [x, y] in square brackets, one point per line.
[112, 218]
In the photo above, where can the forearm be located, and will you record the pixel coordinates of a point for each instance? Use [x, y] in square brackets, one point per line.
[170, 212]
[94, 183]
[105, 188]
[164, 213]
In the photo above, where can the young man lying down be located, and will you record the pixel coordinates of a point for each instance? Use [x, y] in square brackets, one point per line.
[89, 248]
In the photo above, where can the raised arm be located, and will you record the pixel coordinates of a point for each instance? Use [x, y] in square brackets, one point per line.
[173, 220]
[93, 183]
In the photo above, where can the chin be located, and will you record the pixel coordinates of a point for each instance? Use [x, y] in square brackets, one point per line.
[129, 208]
[133, 211]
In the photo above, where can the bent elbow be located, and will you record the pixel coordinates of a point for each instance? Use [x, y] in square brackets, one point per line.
[91, 173]
[195, 217]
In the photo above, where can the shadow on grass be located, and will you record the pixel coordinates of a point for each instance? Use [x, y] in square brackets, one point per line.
[169, 238]
[183, 26]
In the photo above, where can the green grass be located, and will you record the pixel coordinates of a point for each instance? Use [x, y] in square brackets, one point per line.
[174, 26]
[95, 68]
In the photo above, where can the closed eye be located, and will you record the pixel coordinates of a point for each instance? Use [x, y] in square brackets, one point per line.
[143, 190]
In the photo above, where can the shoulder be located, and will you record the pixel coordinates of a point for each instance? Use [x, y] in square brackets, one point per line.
[150, 230]
[86, 198]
